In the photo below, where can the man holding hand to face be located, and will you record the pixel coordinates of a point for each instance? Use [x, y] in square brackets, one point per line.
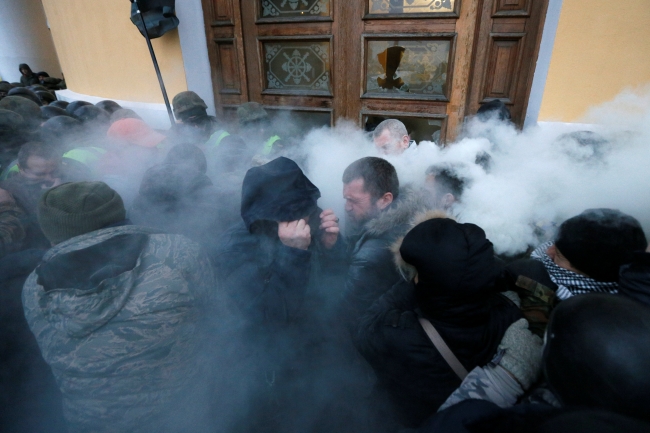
[272, 267]
[266, 262]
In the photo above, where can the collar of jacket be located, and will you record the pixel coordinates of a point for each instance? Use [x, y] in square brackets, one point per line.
[410, 202]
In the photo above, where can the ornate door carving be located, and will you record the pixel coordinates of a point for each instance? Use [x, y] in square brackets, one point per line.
[427, 62]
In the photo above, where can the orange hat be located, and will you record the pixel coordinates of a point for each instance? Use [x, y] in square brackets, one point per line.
[135, 131]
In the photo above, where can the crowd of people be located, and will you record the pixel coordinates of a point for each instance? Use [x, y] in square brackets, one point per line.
[187, 280]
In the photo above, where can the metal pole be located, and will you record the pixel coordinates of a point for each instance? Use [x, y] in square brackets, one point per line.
[155, 65]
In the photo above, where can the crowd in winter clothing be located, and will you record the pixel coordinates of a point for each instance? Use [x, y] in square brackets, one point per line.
[187, 280]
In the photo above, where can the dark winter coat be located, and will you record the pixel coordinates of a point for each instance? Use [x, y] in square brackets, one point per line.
[119, 315]
[371, 270]
[480, 416]
[179, 200]
[29, 396]
[463, 304]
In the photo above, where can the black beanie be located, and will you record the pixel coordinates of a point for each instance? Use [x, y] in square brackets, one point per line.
[599, 241]
[76, 208]
[452, 259]
[597, 353]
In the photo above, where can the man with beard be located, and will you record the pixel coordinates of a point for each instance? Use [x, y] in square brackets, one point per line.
[378, 211]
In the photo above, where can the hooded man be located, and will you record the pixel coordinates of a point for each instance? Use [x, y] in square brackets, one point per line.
[273, 265]
[27, 76]
[118, 312]
[377, 212]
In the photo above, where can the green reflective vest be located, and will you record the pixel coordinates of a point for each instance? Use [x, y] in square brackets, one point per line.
[268, 145]
[215, 139]
[85, 155]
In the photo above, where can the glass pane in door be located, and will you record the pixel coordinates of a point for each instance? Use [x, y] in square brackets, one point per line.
[410, 6]
[407, 67]
[294, 8]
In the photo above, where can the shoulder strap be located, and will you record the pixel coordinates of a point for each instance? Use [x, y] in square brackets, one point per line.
[442, 347]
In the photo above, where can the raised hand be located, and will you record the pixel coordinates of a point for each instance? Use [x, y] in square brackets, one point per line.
[295, 234]
[329, 223]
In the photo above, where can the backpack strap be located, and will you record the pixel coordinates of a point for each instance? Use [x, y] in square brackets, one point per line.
[444, 350]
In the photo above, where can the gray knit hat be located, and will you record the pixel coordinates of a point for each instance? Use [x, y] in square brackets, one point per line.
[77, 208]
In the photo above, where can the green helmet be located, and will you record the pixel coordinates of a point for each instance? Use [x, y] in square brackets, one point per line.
[10, 121]
[251, 112]
[5, 88]
[30, 112]
[186, 101]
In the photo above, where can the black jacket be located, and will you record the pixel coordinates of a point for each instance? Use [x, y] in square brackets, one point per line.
[458, 293]
[371, 271]
[412, 374]
[480, 416]
[29, 395]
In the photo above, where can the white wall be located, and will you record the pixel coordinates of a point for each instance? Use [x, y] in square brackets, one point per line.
[195, 50]
[25, 38]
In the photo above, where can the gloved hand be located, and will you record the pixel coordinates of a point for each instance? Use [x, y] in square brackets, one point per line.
[523, 353]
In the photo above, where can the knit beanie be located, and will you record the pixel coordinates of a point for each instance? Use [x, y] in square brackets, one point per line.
[76, 208]
[599, 241]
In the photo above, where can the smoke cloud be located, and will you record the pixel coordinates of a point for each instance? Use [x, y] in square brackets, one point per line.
[537, 178]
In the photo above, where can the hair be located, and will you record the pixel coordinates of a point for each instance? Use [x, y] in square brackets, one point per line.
[35, 148]
[395, 127]
[495, 108]
[447, 180]
[378, 175]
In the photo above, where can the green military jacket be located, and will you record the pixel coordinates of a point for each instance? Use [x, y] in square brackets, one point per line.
[125, 347]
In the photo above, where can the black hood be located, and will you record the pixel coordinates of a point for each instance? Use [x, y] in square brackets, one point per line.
[277, 191]
[24, 66]
[597, 354]
[84, 269]
[455, 265]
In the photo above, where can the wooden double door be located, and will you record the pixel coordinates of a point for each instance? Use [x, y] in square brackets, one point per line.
[428, 63]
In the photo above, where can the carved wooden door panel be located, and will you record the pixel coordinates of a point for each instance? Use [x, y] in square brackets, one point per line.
[427, 62]
[506, 53]
[411, 61]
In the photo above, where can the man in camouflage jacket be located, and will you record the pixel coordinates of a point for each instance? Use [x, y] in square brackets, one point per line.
[118, 315]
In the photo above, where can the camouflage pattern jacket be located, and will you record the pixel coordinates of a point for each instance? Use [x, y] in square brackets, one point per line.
[117, 314]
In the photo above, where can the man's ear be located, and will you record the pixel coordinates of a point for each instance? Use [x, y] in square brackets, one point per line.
[385, 201]
[405, 141]
[448, 200]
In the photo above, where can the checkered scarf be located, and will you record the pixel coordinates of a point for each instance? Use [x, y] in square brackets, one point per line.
[569, 283]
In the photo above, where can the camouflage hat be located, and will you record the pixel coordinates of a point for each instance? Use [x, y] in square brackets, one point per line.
[29, 110]
[24, 92]
[185, 101]
[10, 121]
[251, 112]
[37, 87]
[45, 96]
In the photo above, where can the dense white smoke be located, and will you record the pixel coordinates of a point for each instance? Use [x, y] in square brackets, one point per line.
[538, 177]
